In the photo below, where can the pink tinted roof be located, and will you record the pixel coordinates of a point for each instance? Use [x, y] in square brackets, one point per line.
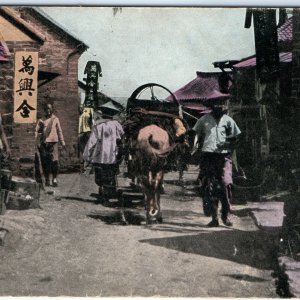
[195, 106]
[284, 57]
[205, 86]
[285, 32]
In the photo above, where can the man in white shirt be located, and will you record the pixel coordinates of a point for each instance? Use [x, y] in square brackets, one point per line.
[217, 133]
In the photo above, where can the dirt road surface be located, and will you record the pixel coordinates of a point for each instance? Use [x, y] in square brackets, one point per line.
[73, 247]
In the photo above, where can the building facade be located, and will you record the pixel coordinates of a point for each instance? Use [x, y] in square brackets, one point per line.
[30, 29]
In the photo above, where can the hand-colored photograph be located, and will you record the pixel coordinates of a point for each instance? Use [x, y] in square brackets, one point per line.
[149, 151]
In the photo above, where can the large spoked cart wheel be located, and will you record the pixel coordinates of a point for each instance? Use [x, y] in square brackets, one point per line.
[153, 103]
[151, 100]
[152, 96]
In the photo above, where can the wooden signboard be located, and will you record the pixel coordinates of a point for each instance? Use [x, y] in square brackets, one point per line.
[25, 86]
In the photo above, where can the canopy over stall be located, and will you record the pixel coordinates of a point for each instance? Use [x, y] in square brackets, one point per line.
[196, 96]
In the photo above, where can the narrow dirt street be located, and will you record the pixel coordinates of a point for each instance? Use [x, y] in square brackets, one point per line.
[73, 247]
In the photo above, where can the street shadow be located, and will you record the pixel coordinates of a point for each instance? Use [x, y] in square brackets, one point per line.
[180, 182]
[177, 227]
[245, 277]
[94, 195]
[179, 222]
[183, 196]
[118, 217]
[121, 216]
[190, 182]
[173, 181]
[163, 228]
[78, 199]
[255, 249]
[245, 212]
[185, 214]
[114, 203]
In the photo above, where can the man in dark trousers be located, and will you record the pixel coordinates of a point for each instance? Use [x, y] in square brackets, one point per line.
[48, 134]
[217, 134]
[103, 151]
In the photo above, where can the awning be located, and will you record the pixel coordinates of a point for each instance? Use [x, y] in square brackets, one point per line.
[204, 87]
[196, 106]
[47, 75]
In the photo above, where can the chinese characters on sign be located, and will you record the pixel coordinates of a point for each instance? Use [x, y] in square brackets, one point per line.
[25, 87]
[93, 71]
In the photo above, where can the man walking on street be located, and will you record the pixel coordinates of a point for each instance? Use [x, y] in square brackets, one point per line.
[48, 133]
[84, 130]
[217, 133]
[103, 151]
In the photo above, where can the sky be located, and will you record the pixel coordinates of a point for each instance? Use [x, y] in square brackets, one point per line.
[162, 45]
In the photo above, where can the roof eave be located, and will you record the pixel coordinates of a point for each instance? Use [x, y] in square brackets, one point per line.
[11, 15]
[45, 16]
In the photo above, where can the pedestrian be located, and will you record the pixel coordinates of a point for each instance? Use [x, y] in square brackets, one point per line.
[104, 151]
[216, 134]
[5, 173]
[182, 146]
[84, 130]
[4, 146]
[48, 134]
[4, 153]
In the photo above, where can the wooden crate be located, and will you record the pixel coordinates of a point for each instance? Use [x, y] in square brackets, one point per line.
[20, 202]
[24, 193]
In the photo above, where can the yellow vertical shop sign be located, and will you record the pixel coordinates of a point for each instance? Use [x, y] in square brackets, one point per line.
[25, 86]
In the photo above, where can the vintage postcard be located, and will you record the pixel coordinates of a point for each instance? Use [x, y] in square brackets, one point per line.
[149, 151]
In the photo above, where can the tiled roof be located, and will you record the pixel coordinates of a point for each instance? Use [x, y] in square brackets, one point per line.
[12, 14]
[9, 12]
[205, 86]
[284, 57]
[285, 35]
[285, 32]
